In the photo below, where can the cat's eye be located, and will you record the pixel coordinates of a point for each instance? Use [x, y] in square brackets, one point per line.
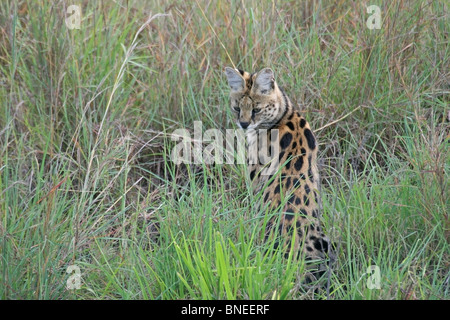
[256, 110]
[237, 109]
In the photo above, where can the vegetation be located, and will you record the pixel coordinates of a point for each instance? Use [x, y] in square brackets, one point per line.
[85, 124]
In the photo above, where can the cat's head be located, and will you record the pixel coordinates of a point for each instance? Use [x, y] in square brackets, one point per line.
[256, 100]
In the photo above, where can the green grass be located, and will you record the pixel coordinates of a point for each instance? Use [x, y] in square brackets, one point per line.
[85, 171]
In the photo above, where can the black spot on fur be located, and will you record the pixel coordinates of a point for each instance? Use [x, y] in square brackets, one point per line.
[266, 197]
[290, 125]
[252, 174]
[291, 198]
[295, 183]
[294, 145]
[285, 140]
[300, 141]
[318, 245]
[289, 217]
[299, 163]
[290, 210]
[310, 175]
[288, 182]
[314, 214]
[310, 139]
[280, 228]
[297, 201]
[307, 189]
[303, 212]
[302, 123]
[241, 72]
[288, 162]
[306, 200]
[277, 189]
[309, 249]
[303, 151]
[281, 155]
[325, 245]
[271, 179]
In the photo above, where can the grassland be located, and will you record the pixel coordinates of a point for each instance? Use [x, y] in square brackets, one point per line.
[85, 123]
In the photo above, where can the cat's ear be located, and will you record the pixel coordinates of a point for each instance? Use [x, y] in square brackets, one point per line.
[235, 80]
[265, 81]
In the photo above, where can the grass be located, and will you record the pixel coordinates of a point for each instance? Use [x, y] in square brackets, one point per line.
[85, 171]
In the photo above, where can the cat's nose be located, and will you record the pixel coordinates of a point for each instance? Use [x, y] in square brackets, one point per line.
[244, 125]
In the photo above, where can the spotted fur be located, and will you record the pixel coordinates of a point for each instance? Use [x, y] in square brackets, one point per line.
[292, 193]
